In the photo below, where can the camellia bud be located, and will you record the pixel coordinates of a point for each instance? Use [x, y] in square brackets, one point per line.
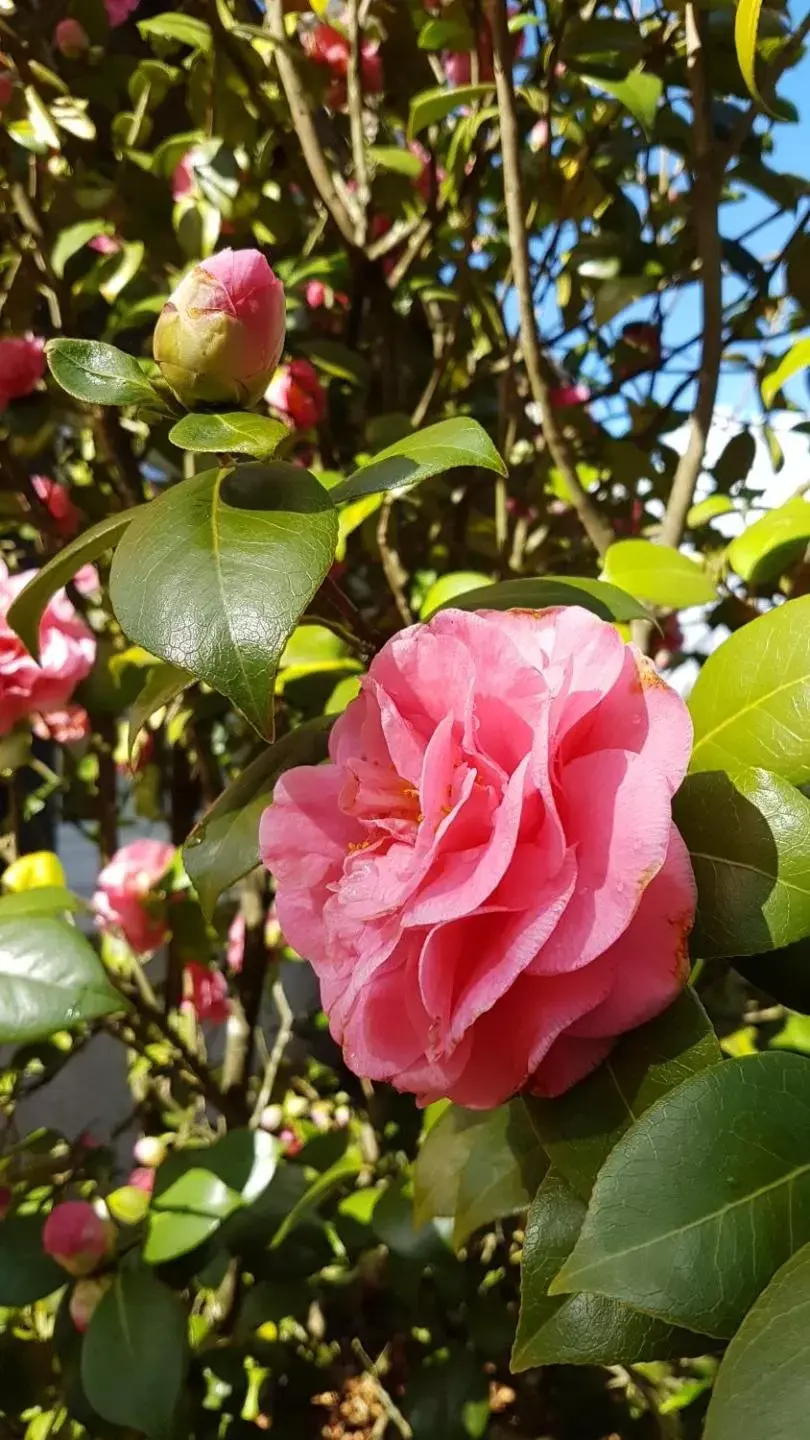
[150, 1151]
[70, 38]
[85, 1299]
[77, 1238]
[220, 335]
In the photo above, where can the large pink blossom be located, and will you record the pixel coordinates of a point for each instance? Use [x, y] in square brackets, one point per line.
[22, 366]
[120, 10]
[67, 649]
[486, 877]
[122, 900]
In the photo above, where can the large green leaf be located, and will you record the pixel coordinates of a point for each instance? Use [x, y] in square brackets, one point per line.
[796, 360]
[239, 433]
[746, 26]
[689, 1219]
[578, 1329]
[214, 576]
[26, 612]
[768, 547]
[50, 979]
[224, 845]
[580, 1128]
[761, 1389]
[135, 1355]
[658, 574]
[544, 591]
[431, 106]
[748, 834]
[197, 1189]
[752, 696]
[26, 1272]
[446, 446]
[99, 374]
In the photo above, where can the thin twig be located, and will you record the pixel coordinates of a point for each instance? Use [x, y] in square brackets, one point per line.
[354, 81]
[392, 566]
[285, 1029]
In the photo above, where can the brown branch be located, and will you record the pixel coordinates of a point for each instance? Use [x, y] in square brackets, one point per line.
[391, 563]
[354, 81]
[537, 366]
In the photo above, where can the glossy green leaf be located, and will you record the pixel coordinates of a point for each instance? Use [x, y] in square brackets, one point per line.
[748, 833]
[135, 1355]
[431, 106]
[99, 374]
[640, 93]
[397, 159]
[239, 433]
[26, 612]
[505, 1166]
[440, 1163]
[658, 574]
[547, 591]
[768, 547]
[446, 446]
[344, 1169]
[751, 696]
[688, 1219]
[41, 900]
[796, 360]
[580, 1128]
[234, 557]
[164, 684]
[224, 845]
[746, 26]
[197, 1189]
[448, 588]
[26, 1272]
[708, 509]
[50, 979]
[761, 1389]
[578, 1329]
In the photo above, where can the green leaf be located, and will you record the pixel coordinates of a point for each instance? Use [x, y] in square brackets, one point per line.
[448, 588]
[26, 1272]
[735, 462]
[615, 295]
[234, 557]
[42, 900]
[440, 1163]
[99, 374]
[505, 1165]
[749, 693]
[580, 1128]
[440, 34]
[748, 834]
[658, 574]
[768, 547]
[164, 684]
[708, 509]
[135, 1355]
[746, 25]
[446, 446]
[236, 434]
[547, 591]
[796, 360]
[50, 979]
[431, 106]
[70, 241]
[639, 92]
[346, 1168]
[27, 611]
[689, 1220]
[782, 974]
[224, 845]
[396, 159]
[761, 1388]
[578, 1329]
[183, 28]
[197, 1189]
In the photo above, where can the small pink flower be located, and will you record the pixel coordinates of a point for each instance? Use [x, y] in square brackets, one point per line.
[66, 726]
[183, 178]
[70, 38]
[123, 890]
[564, 396]
[538, 136]
[486, 878]
[206, 993]
[67, 649]
[142, 1178]
[120, 10]
[77, 1238]
[315, 294]
[235, 953]
[290, 1143]
[105, 244]
[85, 1300]
[22, 366]
[57, 502]
[296, 393]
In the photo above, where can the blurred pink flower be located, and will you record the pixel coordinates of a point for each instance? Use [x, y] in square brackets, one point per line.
[22, 366]
[66, 726]
[122, 894]
[67, 652]
[563, 396]
[330, 48]
[142, 1178]
[206, 992]
[183, 179]
[105, 244]
[120, 10]
[70, 38]
[57, 502]
[296, 393]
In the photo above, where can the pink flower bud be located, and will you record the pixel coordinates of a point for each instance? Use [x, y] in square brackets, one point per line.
[104, 244]
[77, 1238]
[206, 993]
[120, 10]
[220, 335]
[57, 502]
[315, 294]
[297, 394]
[84, 1300]
[142, 1178]
[22, 362]
[70, 38]
[150, 1151]
[562, 397]
[122, 901]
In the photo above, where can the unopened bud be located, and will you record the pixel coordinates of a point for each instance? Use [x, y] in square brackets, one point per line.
[77, 1238]
[150, 1151]
[70, 39]
[85, 1300]
[38, 871]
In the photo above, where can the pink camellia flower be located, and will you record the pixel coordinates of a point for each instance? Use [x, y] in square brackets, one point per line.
[85, 1299]
[296, 393]
[183, 178]
[78, 1238]
[562, 397]
[57, 502]
[67, 649]
[70, 38]
[122, 898]
[206, 993]
[22, 366]
[219, 337]
[104, 244]
[487, 878]
[120, 10]
[66, 726]
[330, 48]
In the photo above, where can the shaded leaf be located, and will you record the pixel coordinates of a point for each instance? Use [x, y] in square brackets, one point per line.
[768, 547]
[26, 1272]
[50, 979]
[197, 1189]
[446, 446]
[164, 683]
[138, 1331]
[543, 592]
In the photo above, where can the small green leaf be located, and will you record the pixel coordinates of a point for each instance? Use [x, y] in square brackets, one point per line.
[438, 34]
[768, 547]
[197, 1189]
[749, 693]
[164, 684]
[182, 28]
[748, 833]
[448, 588]
[50, 979]
[446, 446]
[796, 360]
[746, 26]
[99, 374]
[337, 360]
[688, 1219]
[25, 614]
[235, 556]
[224, 845]
[433, 105]
[548, 591]
[26, 1272]
[640, 93]
[396, 159]
[708, 509]
[658, 574]
[135, 1355]
[70, 241]
[42, 900]
[233, 434]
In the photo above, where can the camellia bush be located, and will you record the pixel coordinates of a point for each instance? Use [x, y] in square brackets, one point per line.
[365, 434]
